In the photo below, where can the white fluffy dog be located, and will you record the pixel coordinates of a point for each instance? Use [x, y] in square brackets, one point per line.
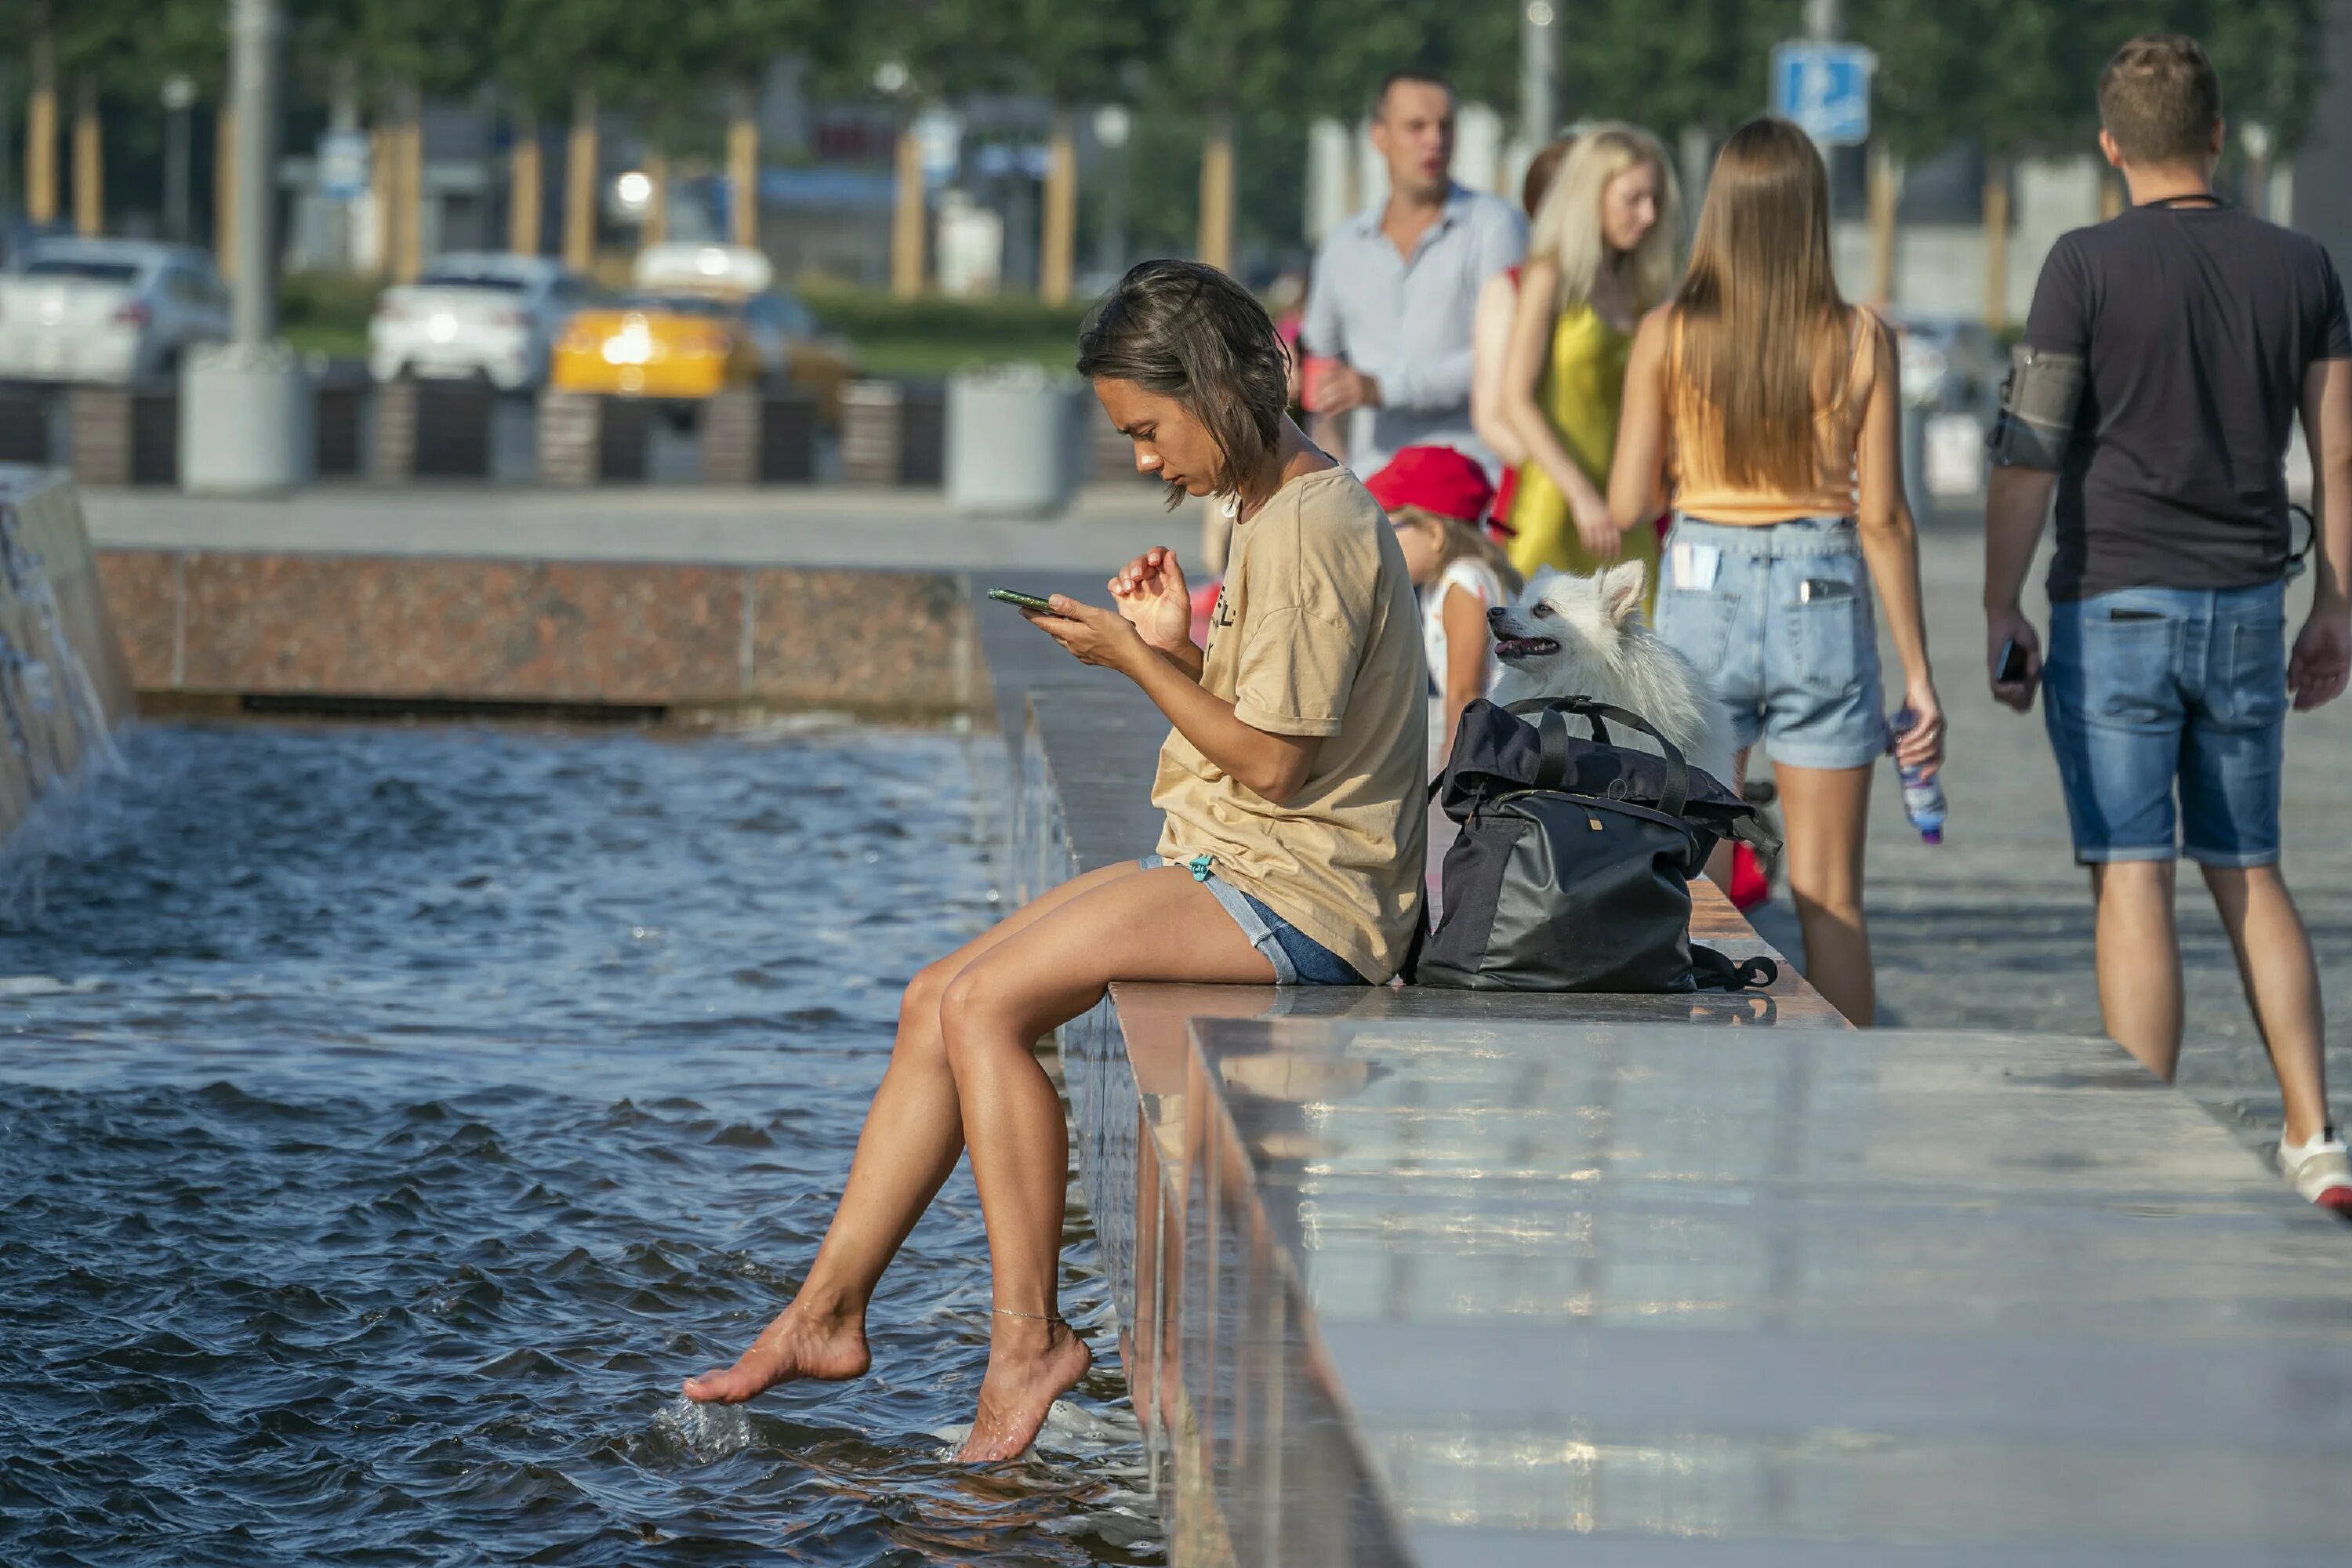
[1586, 636]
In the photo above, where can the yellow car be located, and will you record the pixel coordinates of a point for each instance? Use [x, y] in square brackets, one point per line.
[702, 319]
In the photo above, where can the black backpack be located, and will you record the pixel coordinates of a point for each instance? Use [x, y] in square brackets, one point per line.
[1574, 866]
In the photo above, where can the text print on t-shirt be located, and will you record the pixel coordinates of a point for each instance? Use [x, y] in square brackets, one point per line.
[1222, 616]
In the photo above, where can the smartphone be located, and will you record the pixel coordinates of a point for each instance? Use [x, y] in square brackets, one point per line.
[1022, 601]
[2012, 665]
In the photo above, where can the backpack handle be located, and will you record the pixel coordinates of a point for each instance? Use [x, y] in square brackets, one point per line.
[1552, 731]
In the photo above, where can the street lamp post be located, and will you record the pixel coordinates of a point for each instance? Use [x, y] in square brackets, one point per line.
[1539, 71]
[1113, 125]
[179, 94]
[2255, 138]
[253, 27]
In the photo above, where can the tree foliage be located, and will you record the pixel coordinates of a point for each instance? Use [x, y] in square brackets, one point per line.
[2020, 76]
[1668, 64]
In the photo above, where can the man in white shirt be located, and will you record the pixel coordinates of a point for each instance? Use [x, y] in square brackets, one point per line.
[1394, 288]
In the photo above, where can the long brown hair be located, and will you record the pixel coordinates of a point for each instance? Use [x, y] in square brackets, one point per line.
[1759, 318]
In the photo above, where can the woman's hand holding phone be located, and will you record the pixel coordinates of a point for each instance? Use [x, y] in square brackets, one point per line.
[1092, 636]
[1151, 591]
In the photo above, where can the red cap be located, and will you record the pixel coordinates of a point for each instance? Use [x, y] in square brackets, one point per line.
[1434, 478]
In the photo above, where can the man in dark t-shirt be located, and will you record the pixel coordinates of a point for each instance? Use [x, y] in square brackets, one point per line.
[2168, 353]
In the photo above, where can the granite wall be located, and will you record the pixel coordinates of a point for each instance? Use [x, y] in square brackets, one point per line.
[211, 624]
[64, 684]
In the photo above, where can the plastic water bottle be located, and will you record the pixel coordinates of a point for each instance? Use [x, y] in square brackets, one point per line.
[1923, 794]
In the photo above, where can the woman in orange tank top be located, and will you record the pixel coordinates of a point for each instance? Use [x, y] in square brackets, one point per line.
[1764, 410]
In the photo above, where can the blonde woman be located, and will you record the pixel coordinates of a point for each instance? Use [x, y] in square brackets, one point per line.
[1490, 343]
[1600, 256]
[1766, 408]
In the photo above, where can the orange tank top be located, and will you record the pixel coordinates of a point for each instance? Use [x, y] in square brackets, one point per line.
[1696, 483]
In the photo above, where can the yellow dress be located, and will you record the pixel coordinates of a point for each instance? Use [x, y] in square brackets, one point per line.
[1581, 391]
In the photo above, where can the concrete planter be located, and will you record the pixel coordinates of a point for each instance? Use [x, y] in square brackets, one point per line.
[1014, 446]
[244, 419]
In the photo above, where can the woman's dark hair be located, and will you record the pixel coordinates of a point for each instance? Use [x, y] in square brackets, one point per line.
[1186, 331]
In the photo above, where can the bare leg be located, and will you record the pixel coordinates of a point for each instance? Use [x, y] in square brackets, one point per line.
[1158, 925]
[912, 1138]
[2139, 961]
[2281, 986]
[1827, 813]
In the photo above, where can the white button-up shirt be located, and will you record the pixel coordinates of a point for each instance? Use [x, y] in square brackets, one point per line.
[1405, 320]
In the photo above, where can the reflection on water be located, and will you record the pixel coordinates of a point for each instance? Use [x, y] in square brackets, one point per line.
[390, 1117]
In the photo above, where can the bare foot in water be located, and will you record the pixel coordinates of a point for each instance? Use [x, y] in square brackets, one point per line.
[1029, 1366]
[796, 1345]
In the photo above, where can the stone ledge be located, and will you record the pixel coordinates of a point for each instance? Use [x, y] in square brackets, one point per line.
[885, 643]
[1444, 1277]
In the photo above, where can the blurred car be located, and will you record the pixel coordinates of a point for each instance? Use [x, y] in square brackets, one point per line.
[107, 309]
[1950, 364]
[471, 315]
[702, 318]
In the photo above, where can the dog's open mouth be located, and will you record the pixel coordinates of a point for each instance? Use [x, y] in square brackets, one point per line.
[1525, 648]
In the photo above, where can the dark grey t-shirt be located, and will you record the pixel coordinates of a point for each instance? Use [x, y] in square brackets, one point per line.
[2197, 324]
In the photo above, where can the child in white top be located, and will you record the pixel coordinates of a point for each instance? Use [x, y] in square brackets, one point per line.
[1436, 499]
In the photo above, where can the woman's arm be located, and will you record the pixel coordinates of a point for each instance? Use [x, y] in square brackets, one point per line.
[1466, 640]
[1890, 543]
[1275, 766]
[1637, 472]
[1490, 347]
[1532, 324]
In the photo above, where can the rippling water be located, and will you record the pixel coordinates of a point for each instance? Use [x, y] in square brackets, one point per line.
[389, 1118]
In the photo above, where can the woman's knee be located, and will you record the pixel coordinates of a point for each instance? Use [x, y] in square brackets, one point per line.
[928, 989]
[1827, 885]
[920, 1007]
[981, 1009]
[1829, 892]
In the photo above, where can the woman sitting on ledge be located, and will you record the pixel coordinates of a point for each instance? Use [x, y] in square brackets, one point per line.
[1291, 854]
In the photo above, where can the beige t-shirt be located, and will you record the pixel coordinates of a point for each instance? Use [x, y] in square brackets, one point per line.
[1317, 633]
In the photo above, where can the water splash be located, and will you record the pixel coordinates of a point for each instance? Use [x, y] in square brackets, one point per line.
[709, 1433]
[1071, 1432]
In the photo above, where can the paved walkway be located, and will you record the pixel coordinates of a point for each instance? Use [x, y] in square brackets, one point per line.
[780, 525]
[1992, 930]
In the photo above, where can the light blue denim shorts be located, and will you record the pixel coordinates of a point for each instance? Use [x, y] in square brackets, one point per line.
[2150, 690]
[1297, 958]
[1778, 616]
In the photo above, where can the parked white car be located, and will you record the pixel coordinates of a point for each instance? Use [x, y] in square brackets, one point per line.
[475, 314]
[107, 309]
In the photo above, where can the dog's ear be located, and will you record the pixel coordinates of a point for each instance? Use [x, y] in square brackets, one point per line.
[1620, 590]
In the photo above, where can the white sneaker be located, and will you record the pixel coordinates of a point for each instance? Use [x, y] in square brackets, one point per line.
[2318, 1170]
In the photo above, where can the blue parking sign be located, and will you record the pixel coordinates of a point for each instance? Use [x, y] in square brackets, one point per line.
[1825, 89]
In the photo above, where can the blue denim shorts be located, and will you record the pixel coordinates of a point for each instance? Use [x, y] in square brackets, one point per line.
[1778, 616]
[2150, 690]
[1297, 958]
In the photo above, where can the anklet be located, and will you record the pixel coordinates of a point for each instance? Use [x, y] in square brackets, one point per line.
[1033, 1316]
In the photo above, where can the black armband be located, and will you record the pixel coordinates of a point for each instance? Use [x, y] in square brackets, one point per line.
[2037, 409]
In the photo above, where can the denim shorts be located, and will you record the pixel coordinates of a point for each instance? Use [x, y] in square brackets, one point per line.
[2149, 689]
[1297, 958]
[1778, 616]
